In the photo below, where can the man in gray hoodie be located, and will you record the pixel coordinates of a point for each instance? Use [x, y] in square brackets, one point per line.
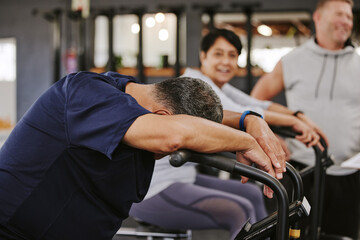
[321, 78]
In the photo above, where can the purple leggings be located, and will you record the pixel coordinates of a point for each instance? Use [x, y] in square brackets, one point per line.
[209, 203]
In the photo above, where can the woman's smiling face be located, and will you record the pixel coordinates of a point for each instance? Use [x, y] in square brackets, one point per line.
[219, 63]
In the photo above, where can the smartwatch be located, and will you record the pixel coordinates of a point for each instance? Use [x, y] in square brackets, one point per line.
[243, 115]
[297, 113]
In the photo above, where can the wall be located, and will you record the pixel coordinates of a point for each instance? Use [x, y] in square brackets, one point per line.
[34, 34]
[34, 48]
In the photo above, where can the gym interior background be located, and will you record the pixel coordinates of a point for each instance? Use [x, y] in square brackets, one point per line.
[43, 40]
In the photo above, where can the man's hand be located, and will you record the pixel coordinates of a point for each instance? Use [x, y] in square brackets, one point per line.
[255, 154]
[284, 147]
[267, 140]
[270, 144]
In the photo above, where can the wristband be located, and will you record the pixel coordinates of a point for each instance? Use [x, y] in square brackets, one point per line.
[243, 115]
[297, 113]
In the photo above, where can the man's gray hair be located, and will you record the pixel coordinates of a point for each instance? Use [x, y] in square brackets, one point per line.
[191, 96]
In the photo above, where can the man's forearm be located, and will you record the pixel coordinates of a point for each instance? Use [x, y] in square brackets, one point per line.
[164, 134]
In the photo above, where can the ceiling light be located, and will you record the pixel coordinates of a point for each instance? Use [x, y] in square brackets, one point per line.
[160, 17]
[150, 22]
[135, 28]
[163, 34]
[264, 30]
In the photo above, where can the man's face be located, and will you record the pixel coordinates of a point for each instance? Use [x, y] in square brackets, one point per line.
[335, 21]
[220, 62]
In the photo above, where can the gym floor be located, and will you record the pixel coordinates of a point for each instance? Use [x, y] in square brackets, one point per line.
[196, 234]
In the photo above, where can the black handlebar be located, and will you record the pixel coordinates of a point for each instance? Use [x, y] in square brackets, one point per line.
[179, 158]
[289, 133]
[297, 182]
[230, 165]
[284, 131]
[322, 161]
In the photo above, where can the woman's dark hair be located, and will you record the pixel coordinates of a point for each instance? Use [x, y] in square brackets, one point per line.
[209, 39]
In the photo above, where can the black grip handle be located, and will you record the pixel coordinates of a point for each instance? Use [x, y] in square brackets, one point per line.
[230, 165]
[296, 181]
[290, 133]
[322, 161]
[284, 131]
[178, 158]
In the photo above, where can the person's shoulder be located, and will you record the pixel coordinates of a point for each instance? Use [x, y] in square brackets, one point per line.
[301, 48]
[295, 52]
[78, 77]
[118, 76]
[193, 73]
[228, 87]
[102, 76]
[114, 79]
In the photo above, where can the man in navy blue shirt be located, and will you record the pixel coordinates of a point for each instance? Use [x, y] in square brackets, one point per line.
[84, 152]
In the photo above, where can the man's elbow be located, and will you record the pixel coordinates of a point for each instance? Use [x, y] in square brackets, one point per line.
[173, 143]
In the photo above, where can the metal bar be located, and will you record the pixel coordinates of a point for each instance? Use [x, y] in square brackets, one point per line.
[140, 63]
[249, 76]
[111, 62]
[177, 53]
[57, 44]
[230, 165]
[318, 172]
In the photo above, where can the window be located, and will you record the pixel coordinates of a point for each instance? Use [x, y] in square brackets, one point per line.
[7, 86]
[159, 39]
[126, 40]
[7, 59]
[274, 34]
[101, 52]
[159, 42]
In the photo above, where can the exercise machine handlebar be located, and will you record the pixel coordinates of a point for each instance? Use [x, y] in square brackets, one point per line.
[322, 161]
[179, 158]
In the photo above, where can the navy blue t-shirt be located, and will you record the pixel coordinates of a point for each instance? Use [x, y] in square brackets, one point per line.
[64, 173]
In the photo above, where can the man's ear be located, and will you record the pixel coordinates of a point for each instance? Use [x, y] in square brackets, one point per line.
[316, 16]
[162, 112]
[202, 56]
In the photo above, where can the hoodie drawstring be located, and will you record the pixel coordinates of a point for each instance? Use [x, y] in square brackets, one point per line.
[334, 77]
[320, 76]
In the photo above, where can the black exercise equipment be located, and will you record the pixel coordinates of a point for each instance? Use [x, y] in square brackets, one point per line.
[322, 162]
[149, 231]
[276, 225]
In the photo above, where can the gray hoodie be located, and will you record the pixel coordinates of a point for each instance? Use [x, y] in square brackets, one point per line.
[326, 86]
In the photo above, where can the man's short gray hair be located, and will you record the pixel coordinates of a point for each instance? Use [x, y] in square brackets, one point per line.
[191, 96]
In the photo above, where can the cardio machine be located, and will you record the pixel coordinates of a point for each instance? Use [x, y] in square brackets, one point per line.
[275, 226]
[322, 162]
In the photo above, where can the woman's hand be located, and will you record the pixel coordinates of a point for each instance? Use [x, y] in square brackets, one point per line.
[308, 135]
[315, 128]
